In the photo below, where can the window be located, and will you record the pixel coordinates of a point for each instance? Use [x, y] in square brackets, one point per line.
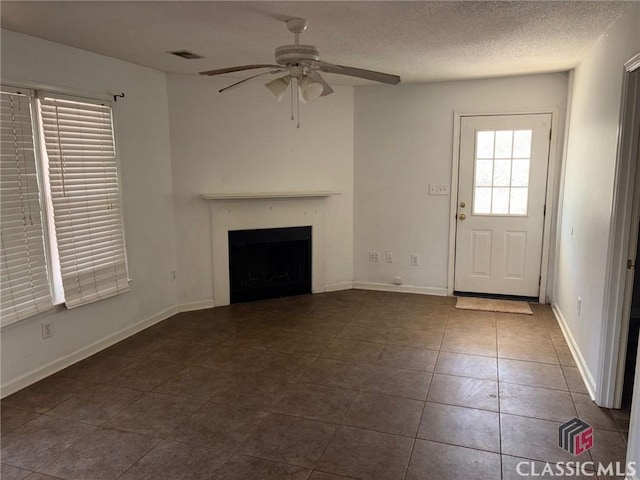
[501, 180]
[62, 233]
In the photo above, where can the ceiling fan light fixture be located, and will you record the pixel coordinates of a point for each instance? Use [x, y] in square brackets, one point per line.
[278, 87]
[310, 89]
[302, 64]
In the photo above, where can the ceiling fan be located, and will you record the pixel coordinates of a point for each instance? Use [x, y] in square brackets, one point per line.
[302, 66]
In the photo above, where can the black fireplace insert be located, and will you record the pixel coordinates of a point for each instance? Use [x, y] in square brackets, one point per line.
[269, 263]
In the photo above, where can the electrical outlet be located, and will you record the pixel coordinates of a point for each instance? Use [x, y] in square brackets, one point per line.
[389, 257]
[415, 259]
[438, 189]
[47, 330]
[397, 280]
[374, 256]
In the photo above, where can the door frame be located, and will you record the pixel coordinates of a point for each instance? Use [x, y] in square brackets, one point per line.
[623, 232]
[550, 196]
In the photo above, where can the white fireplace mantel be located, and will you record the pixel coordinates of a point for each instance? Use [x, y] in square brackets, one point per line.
[246, 211]
[267, 195]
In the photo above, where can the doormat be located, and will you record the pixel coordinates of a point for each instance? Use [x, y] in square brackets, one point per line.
[491, 305]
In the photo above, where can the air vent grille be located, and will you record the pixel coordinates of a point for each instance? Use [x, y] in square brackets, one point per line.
[186, 54]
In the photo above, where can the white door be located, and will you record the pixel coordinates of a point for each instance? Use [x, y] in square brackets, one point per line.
[502, 181]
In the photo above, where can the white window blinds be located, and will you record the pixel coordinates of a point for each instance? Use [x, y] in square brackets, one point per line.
[24, 285]
[83, 177]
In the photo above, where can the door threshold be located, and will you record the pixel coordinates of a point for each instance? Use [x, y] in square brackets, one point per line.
[497, 296]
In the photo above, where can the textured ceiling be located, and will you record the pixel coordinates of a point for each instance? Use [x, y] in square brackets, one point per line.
[420, 41]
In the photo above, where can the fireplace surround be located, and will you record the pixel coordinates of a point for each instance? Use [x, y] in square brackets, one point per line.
[249, 211]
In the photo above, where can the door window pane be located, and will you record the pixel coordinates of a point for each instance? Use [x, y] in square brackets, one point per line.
[482, 200]
[520, 173]
[501, 177]
[484, 173]
[485, 144]
[522, 144]
[504, 141]
[502, 173]
[500, 201]
[518, 201]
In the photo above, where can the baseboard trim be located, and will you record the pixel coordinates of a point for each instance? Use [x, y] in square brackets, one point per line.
[575, 351]
[389, 287]
[44, 371]
[193, 306]
[336, 287]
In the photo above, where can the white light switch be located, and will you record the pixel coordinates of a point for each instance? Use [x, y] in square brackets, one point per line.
[438, 189]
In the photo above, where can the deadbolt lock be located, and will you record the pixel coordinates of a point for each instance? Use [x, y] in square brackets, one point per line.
[462, 204]
[462, 216]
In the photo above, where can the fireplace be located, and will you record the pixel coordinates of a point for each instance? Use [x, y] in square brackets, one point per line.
[250, 211]
[269, 263]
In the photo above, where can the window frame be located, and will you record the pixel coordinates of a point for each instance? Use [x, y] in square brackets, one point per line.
[492, 187]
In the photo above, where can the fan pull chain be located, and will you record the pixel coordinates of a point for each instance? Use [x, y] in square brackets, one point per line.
[292, 83]
[298, 104]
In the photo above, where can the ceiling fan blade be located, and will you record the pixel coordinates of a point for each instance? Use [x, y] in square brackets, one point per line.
[315, 76]
[359, 72]
[221, 71]
[222, 90]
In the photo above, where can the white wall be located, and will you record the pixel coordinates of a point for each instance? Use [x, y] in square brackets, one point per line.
[142, 128]
[244, 141]
[403, 143]
[592, 142]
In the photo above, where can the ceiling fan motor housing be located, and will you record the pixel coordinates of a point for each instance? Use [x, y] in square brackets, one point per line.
[296, 54]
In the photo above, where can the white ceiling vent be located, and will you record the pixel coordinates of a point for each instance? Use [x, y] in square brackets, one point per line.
[186, 54]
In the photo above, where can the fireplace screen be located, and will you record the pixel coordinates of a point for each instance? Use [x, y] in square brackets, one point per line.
[269, 263]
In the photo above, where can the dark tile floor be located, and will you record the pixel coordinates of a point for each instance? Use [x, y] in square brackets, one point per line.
[352, 384]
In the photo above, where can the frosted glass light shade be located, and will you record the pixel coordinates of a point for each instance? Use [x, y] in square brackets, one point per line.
[278, 86]
[310, 89]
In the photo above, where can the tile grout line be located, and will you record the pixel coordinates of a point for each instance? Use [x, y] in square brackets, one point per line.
[426, 400]
[341, 420]
[499, 399]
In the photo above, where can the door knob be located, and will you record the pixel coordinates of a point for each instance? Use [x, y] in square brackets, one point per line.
[462, 204]
[462, 216]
